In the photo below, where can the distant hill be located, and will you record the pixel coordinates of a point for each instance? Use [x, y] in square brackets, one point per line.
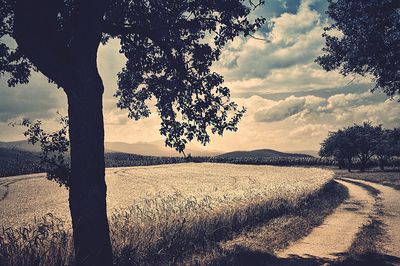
[17, 162]
[313, 153]
[156, 148]
[263, 153]
[21, 145]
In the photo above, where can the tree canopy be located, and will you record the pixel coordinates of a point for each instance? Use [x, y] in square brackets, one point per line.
[361, 143]
[364, 39]
[169, 45]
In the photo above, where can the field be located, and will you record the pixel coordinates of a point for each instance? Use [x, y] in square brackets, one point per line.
[157, 213]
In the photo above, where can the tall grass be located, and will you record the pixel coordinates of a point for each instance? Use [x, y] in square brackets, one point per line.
[158, 230]
[45, 242]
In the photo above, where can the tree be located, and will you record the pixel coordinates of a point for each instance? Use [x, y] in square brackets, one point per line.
[383, 147]
[365, 138]
[395, 142]
[339, 145]
[364, 39]
[329, 148]
[169, 45]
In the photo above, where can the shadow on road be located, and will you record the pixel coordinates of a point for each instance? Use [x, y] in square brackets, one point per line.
[244, 257]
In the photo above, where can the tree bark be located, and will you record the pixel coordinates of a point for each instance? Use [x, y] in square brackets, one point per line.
[340, 163]
[87, 194]
[349, 165]
[70, 61]
[362, 165]
[382, 162]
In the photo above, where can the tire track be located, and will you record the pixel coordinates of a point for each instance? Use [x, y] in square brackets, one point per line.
[5, 186]
[390, 199]
[335, 236]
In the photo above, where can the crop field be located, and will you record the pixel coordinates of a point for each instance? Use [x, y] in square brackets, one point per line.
[157, 211]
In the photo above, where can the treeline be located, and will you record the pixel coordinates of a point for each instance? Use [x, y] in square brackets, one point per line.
[16, 162]
[362, 145]
[277, 161]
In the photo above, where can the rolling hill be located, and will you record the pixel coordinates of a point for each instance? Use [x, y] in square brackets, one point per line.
[262, 153]
[155, 148]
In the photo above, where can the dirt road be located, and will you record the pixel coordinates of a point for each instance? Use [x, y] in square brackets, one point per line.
[334, 237]
[390, 217]
[336, 234]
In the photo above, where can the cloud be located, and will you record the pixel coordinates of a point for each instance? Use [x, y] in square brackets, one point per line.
[37, 100]
[349, 100]
[294, 39]
[281, 110]
[338, 109]
[307, 131]
[290, 28]
[302, 122]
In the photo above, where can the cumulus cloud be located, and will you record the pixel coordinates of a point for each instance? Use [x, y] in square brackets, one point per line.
[294, 39]
[307, 131]
[281, 110]
[38, 100]
[301, 123]
[290, 28]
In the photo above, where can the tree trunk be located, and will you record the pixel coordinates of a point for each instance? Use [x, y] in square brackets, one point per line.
[349, 165]
[362, 165]
[340, 163]
[70, 61]
[382, 164]
[87, 194]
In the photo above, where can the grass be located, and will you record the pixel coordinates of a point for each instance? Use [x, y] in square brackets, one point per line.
[166, 228]
[387, 178]
[257, 245]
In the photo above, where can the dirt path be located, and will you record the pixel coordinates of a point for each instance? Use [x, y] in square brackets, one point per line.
[390, 217]
[335, 236]
[5, 182]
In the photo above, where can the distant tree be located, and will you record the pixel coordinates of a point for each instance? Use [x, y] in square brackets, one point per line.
[363, 142]
[366, 140]
[395, 142]
[364, 39]
[340, 146]
[169, 45]
[329, 148]
[383, 147]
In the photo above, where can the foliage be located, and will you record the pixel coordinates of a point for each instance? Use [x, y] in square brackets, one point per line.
[169, 46]
[54, 148]
[362, 142]
[171, 62]
[364, 39]
[340, 146]
[12, 61]
[365, 138]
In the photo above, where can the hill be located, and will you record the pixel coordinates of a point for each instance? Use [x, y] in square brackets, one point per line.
[155, 148]
[17, 162]
[262, 153]
[21, 145]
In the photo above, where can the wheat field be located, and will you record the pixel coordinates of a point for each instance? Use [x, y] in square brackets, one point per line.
[159, 213]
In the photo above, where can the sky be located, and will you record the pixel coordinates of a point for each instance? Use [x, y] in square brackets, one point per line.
[292, 103]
